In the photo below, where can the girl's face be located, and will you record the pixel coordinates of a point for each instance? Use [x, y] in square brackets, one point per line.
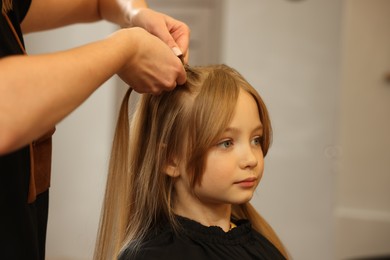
[234, 165]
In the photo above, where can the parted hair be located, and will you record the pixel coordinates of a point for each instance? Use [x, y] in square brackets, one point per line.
[178, 125]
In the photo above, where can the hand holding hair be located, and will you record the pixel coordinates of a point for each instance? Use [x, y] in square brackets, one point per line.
[171, 31]
[150, 66]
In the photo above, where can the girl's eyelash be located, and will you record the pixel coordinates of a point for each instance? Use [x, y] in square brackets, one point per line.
[258, 139]
[224, 142]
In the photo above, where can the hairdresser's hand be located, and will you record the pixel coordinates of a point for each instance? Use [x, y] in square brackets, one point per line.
[149, 66]
[174, 33]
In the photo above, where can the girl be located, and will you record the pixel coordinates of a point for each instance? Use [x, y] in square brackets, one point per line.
[179, 187]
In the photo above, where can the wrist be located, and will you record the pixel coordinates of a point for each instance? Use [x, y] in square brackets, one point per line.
[131, 9]
[126, 45]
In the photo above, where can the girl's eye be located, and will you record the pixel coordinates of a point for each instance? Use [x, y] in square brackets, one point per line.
[225, 144]
[257, 140]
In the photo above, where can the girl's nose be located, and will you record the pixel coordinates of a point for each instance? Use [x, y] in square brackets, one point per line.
[249, 158]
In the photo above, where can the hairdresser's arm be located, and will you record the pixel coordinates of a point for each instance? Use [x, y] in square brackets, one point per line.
[36, 92]
[50, 14]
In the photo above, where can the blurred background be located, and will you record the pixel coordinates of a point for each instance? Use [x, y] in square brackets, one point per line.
[323, 69]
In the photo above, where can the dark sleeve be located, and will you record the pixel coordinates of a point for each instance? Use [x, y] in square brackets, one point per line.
[8, 42]
[21, 8]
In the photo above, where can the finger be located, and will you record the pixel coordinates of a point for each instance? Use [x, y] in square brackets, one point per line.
[176, 50]
[184, 50]
[178, 44]
[159, 90]
[181, 36]
[184, 57]
[182, 76]
[163, 33]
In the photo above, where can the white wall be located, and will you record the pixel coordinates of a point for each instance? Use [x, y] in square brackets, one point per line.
[363, 195]
[289, 50]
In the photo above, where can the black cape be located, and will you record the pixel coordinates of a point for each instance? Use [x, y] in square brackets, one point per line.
[194, 242]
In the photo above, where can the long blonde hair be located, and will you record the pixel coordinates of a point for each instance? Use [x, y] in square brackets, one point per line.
[6, 6]
[139, 195]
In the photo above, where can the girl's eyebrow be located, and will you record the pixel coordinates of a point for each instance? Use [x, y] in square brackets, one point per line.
[259, 128]
[237, 130]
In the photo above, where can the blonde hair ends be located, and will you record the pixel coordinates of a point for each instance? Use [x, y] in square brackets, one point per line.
[6, 6]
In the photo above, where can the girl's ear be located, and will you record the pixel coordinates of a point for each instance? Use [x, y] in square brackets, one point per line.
[172, 169]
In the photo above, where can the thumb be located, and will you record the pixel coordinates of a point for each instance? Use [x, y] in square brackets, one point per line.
[174, 47]
[166, 37]
[176, 50]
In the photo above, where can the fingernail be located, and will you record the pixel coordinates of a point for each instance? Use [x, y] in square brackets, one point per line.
[177, 51]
